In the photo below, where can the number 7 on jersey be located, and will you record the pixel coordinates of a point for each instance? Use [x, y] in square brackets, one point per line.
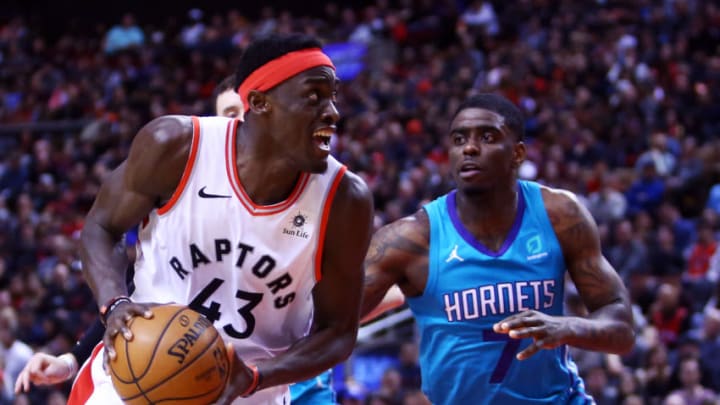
[507, 355]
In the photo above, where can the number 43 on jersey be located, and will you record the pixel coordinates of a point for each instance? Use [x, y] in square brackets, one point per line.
[212, 311]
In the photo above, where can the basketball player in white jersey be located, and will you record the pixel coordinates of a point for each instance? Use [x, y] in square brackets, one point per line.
[254, 225]
[46, 369]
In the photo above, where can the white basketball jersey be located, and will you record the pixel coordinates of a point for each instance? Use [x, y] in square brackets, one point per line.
[249, 268]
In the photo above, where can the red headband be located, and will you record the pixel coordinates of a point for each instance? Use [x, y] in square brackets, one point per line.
[278, 70]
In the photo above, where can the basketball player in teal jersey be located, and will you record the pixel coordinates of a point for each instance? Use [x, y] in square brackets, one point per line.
[483, 271]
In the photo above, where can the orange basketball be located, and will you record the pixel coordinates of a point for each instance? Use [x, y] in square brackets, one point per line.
[176, 357]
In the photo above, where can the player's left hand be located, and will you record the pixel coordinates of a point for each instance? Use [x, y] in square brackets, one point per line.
[240, 378]
[547, 332]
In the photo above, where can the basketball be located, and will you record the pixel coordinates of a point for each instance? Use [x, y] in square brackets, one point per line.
[176, 357]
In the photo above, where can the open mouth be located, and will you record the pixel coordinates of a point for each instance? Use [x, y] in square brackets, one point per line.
[322, 138]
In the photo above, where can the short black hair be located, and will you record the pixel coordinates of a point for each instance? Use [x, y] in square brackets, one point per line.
[500, 105]
[267, 48]
[226, 84]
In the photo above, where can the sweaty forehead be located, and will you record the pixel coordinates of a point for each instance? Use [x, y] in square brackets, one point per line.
[477, 117]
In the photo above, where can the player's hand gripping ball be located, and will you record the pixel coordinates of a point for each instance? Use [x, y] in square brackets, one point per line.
[176, 357]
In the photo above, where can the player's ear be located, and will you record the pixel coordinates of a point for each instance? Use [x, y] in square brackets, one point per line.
[519, 154]
[258, 101]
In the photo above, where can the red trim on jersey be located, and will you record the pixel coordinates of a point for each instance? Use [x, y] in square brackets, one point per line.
[83, 385]
[236, 184]
[325, 217]
[188, 168]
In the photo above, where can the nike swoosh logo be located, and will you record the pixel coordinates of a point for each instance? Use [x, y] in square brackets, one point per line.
[203, 194]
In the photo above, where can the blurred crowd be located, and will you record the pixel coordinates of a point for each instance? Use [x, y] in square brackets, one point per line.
[622, 101]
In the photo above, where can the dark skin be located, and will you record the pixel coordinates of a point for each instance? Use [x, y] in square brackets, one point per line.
[276, 143]
[484, 157]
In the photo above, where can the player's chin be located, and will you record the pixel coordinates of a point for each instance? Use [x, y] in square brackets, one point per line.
[473, 188]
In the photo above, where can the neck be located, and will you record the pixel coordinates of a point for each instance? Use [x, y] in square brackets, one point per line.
[265, 176]
[489, 216]
[490, 206]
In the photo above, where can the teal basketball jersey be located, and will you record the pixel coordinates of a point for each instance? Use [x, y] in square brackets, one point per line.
[315, 391]
[470, 288]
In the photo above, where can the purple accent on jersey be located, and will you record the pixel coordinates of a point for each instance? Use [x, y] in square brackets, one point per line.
[469, 238]
[507, 355]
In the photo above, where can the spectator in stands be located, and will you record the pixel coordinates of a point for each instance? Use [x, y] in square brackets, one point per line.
[602, 117]
[633, 400]
[351, 394]
[682, 228]
[193, 32]
[391, 388]
[607, 204]
[4, 397]
[669, 315]
[713, 200]
[692, 392]
[125, 35]
[689, 168]
[597, 385]
[698, 262]
[710, 346]
[628, 254]
[480, 17]
[628, 385]
[409, 367]
[657, 155]
[647, 192]
[655, 374]
[697, 278]
[15, 352]
[379, 399]
[666, 260]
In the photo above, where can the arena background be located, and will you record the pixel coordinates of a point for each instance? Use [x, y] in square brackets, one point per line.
[622, 105]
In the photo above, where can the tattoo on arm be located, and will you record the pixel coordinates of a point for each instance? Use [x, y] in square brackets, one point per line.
[392, 252]
[393, 237]
[581, 247]
[608, 326]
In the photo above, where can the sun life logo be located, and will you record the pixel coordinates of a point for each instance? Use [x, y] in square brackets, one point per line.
[298, 221]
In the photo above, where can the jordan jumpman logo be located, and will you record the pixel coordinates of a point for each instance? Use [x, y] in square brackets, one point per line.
[454, 256]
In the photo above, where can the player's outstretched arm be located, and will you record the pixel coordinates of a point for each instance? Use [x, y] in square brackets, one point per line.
[396, 264]
[46, 369]
[147, 178]
[609, 324]
[392, 299]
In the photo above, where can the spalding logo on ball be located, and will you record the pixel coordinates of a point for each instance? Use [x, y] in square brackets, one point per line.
[176, 357]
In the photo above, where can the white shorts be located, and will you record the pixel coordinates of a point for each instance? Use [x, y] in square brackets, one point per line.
[93, 385]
